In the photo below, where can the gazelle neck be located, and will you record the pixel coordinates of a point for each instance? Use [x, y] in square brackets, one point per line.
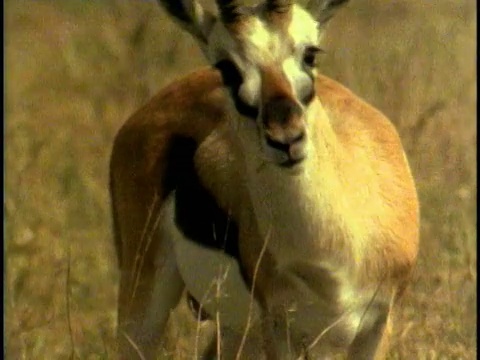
[291, 205]
[264, 176]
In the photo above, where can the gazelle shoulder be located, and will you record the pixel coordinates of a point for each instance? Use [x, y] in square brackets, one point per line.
[356, 122]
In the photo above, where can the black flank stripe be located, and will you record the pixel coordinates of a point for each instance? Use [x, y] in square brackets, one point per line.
[197, 214]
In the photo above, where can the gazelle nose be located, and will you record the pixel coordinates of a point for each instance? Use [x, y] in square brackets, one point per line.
[287, 143]
[292, 147]
[285, 129]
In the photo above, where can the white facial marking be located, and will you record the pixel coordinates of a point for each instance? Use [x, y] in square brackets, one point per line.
[250, 89]
[261, 45]
[303, 28]
[301, 82]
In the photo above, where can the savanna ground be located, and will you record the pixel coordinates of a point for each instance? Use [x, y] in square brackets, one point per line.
[75, 70]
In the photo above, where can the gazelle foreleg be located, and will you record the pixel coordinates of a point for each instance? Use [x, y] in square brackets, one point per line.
[142, 321]
[150, 284]
[270, 288]
[371, 341]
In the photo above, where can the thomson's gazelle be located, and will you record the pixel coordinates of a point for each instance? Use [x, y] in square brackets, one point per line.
[282, 202]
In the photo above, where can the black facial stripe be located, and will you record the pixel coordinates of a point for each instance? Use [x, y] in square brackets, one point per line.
[307, 98]
[310, 94]
[243, 108]
[177, 9]
[230, 74]
[232, 79]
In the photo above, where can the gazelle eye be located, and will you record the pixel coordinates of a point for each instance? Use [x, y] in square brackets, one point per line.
[310, 55]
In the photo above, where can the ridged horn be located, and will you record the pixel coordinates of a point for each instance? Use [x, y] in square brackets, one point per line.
[229, 10]
[279, 6]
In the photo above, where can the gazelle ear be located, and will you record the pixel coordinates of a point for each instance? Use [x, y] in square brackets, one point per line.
[192, 17]
[324, 10]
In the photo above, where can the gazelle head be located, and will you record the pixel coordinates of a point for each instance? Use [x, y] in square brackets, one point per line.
[266, 55]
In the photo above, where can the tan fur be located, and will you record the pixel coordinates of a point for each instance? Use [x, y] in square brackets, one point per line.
[274, 84]
[368, 199]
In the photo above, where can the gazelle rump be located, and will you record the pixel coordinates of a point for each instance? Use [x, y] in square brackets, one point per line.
[269, 182]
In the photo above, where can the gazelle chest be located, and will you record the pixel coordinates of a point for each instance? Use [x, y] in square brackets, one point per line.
[313, 286]
[293, 216]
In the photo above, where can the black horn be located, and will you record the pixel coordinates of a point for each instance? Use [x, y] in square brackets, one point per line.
[229, 10]
[279, 6]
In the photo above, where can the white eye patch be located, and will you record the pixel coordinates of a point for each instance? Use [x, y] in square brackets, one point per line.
[249, 91]
[303, 29]
[300, 80]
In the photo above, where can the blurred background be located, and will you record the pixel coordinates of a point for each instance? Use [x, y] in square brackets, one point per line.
[76, 70]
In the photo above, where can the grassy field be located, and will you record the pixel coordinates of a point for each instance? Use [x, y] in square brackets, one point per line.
[75, 70]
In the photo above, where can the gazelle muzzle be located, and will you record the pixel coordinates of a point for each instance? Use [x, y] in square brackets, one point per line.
[284, 128]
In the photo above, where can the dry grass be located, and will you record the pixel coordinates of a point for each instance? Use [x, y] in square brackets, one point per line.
[77, 69]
